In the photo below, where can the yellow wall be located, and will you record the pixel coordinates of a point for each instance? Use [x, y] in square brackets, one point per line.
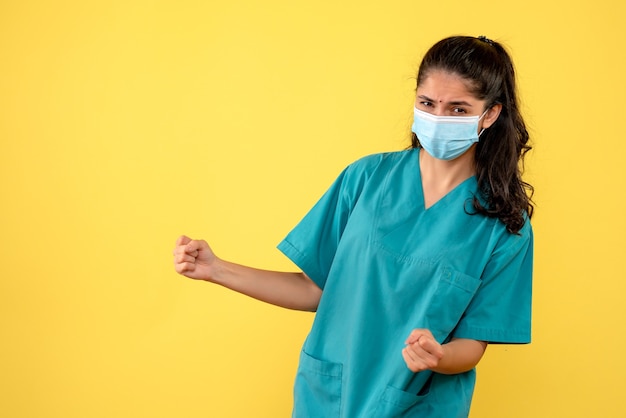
[126, 123]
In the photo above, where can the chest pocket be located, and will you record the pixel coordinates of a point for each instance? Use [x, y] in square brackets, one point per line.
[453, 293]
[433, 294]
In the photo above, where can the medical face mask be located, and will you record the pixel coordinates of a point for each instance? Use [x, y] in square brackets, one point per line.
[446, 137]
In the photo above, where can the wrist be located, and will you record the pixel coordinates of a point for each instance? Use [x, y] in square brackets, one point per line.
[460, 355]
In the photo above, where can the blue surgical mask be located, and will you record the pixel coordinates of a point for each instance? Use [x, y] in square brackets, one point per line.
[446, 137]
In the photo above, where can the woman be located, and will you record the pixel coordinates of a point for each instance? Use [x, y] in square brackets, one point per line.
[414, 260]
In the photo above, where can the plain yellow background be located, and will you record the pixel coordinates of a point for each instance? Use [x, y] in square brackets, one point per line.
[124, 124]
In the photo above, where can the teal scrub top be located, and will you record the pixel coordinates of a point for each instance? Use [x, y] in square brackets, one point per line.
[387, 266]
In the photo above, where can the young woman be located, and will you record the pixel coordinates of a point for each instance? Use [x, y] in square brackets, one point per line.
[413, 260]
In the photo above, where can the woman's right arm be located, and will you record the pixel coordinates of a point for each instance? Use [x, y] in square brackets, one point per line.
[196, 260]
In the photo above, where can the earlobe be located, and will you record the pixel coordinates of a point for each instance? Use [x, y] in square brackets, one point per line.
[492, 115]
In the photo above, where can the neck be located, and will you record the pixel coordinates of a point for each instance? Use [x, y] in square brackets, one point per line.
[445, 175]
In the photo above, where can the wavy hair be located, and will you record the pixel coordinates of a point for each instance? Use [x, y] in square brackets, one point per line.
[488, 70]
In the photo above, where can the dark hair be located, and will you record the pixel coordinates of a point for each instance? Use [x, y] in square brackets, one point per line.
[488, 70]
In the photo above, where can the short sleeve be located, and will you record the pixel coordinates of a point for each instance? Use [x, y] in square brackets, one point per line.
[312, 244]
[500, 312]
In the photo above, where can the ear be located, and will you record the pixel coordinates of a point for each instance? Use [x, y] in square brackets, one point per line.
[491, 116]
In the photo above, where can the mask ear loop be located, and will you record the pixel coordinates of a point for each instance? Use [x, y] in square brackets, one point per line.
[481, 116]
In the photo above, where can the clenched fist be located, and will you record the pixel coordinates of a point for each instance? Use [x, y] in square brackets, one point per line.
[422, 351]
[194, 259]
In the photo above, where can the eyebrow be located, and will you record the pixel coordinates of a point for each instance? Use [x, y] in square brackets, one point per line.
[454, 103]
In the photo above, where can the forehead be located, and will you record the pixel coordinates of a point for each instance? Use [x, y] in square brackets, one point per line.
[445, 86]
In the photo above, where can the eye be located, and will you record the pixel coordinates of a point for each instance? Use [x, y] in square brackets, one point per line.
[426, 103]
[459, 110]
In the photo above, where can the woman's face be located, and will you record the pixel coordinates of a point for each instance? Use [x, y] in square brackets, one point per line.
[445, 94]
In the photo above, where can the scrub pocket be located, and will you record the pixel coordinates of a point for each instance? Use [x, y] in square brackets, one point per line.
[449, 396]
[317, 391]
[395, 403]
[453, 294]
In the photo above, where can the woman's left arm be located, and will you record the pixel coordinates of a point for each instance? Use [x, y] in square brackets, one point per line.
[423, 352]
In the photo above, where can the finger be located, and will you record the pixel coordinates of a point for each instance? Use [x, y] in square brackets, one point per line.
[184, 258]
[414, 336]
[431, 346]
[421, 358]
[424, 348]
[193, 253]
[181, 250]
[194, 246]
[183, 268]
[182, 240]
[414, 363]
[409, 357]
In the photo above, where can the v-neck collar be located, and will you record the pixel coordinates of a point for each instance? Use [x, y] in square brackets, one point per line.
[445, 199]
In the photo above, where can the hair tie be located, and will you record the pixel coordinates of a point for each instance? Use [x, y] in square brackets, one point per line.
[486, 40]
